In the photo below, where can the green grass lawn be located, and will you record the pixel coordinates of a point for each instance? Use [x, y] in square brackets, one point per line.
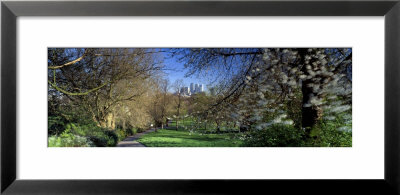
[188, 122]
[173, 138]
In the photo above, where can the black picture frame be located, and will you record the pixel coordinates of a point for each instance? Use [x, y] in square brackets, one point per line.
[10, 10]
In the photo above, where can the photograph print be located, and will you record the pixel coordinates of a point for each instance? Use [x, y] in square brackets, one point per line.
[199, 97]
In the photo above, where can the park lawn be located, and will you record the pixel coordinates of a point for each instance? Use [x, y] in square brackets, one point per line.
[188, 122]
[173, 138]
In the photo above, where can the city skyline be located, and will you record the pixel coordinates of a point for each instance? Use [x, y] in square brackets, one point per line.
[193, 88]
[175, 70]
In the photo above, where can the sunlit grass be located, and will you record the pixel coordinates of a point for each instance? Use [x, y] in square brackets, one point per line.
[173, 138]
[189, 123]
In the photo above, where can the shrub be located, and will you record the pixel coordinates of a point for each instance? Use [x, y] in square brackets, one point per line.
[90, 134]
[66, 139]
[131, 131]
[277, 135]
[331, 134]
[140, 130]
[112, 137]
[121, 134]
[56, 125]
[98, 141]
[101, 137]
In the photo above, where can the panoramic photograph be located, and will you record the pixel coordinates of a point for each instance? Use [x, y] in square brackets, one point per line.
[199, 97]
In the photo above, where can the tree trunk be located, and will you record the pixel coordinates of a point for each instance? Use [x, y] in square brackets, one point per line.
[218, 128]
[123, 125]
[113, 125]
[177, 118]
[310, 113]
[110, 121]
[102, 123]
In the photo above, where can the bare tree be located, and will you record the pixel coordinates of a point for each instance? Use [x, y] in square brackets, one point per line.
[101, 79]
[159, 109]
[178, 85]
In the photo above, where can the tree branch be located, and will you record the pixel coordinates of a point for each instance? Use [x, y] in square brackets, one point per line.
[69, 63]
[76, 93]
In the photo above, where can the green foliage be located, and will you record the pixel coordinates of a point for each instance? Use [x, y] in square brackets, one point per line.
[131, 131]
[330, 134]
[121, 134]
[140, 130]
[60, 119]
[275, 136]
[67, 139]
[92, 134]
[100, 136]
[56, 125]
[173, 138]
[327, 133]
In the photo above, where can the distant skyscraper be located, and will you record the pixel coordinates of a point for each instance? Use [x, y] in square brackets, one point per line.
[196, 88]
[191, 88]
[184, 91]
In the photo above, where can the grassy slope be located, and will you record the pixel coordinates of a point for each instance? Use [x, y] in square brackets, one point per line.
[173, 138]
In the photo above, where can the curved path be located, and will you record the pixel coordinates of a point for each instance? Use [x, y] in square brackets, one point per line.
[131, 140]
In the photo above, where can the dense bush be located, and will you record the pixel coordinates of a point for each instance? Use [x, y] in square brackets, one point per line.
[140, 130]
[70, 141]
[331, 133]
[275, 136]
[327, 133]
[131, 131]
[75, 135]
[121, 134]
[56, 125]
[67, 139]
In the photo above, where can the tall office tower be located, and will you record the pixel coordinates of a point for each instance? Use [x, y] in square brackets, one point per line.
[201, 88]
[191, 88]
[186, 90]
[196, 88]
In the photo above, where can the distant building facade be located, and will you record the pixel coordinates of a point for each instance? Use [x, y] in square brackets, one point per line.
[192, 89]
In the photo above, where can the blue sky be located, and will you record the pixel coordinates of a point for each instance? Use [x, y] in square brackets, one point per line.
[172, 63]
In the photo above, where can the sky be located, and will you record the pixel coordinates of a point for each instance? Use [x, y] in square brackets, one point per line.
[172, 75]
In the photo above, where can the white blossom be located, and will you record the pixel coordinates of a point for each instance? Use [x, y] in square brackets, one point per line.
[342, 108]
[345, 129]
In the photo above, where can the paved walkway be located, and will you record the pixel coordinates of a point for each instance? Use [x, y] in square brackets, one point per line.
[131, 140]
